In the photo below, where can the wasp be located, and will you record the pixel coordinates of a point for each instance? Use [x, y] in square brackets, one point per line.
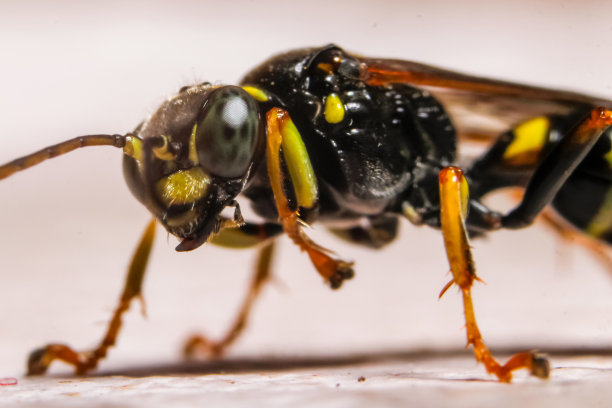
[320, 135]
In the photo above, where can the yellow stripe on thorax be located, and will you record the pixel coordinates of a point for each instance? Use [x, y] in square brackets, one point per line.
[334, 109]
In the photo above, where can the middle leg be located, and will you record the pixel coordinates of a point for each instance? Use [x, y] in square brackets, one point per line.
[201, 345]
[247, 235]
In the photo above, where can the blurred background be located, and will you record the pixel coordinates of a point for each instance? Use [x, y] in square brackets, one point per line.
[68, 227]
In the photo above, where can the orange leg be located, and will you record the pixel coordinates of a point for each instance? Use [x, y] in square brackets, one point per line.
[454, 200]
[334, 271]
[40, 359]
[201, 345]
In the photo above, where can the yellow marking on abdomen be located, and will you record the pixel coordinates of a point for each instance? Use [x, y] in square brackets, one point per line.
[602, 221]
[529, 138]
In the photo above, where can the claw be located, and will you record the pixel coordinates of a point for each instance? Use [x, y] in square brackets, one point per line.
[540, 366]
[199, 345]
[36, 363]
[344, 271]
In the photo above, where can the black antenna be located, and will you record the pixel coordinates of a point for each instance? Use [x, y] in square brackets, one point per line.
[51, 152]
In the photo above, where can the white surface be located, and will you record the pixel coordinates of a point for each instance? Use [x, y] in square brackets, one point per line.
[434, 382]
[69, 226]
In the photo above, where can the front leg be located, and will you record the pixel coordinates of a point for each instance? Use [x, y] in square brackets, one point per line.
[283, 133]
[247, 235]
[40, 359]
[201, 345]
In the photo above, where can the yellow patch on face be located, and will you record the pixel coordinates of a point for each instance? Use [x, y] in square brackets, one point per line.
[529, 138]
[183, 186]
[258, 94]
[163, 152]
[334, 109]
[235, 238]
[193, 152]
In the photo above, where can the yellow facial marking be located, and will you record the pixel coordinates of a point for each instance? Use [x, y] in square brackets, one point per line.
[133, 148]
[257, 94]
[334, 109]
[163, 152]
[193, 152]
[529, 137]
[183, 186]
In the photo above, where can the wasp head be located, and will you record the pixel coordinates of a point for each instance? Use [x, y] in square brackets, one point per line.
[197, 153]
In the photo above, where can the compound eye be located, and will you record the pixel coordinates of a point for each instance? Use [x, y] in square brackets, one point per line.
[226, 132]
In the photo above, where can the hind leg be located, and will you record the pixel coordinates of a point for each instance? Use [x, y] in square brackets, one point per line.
[546, 181]
[453, 209]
